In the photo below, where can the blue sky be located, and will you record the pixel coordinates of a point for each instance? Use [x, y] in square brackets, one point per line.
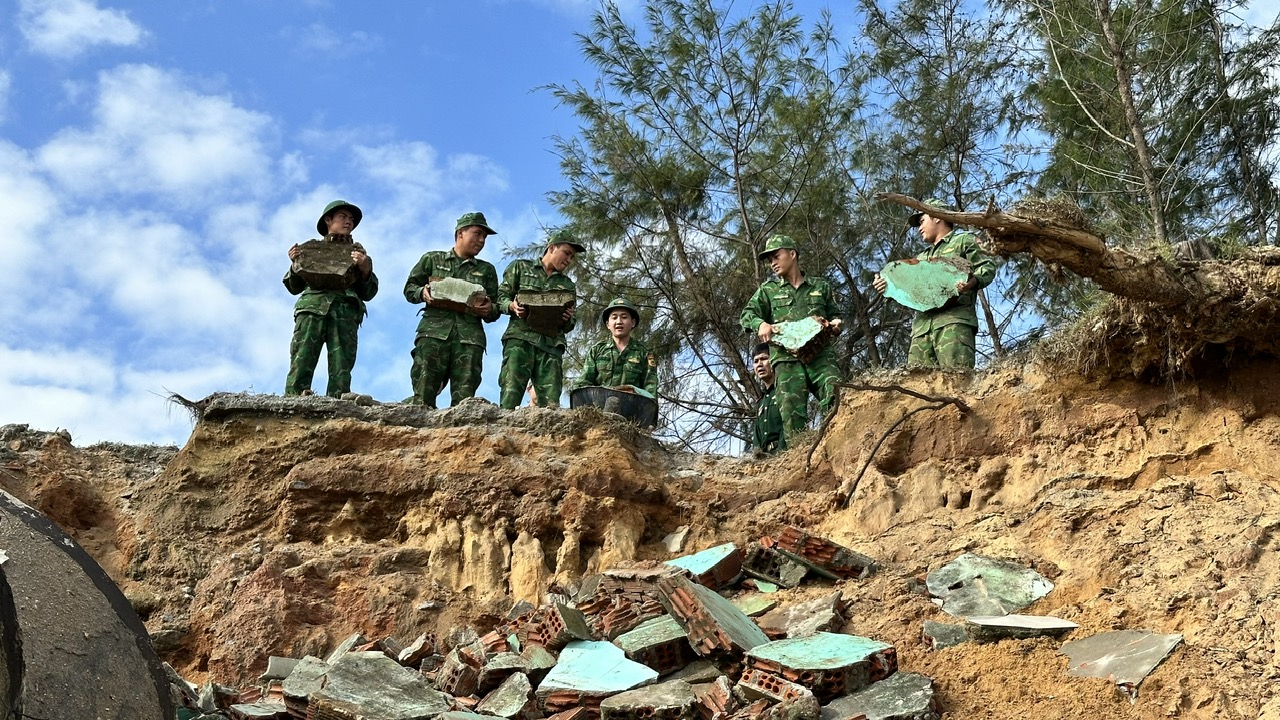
[157, 160]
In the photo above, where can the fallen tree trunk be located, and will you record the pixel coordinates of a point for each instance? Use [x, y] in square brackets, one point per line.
[1193, 304]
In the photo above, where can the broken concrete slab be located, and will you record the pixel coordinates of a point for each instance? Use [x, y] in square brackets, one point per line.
[825, 557]
[659, 643]
[990, 628]
[759, 585]
[712, 622]
[924, 284]
[901, 696]
[463, 715]
[716, 568]
[975, 585]
[538, 662]
[715, 699]
[698, 671]
[372, 685]
[829, 664]
[512, 699]
[546, 309]
[266, 710]
[803, 338]
[71, 642]
[1126, 657]
[672, 700]
[456, 294]
[346, 646]
[308, 677]
[458, 675]
[562, 624]
[326, 265]
[595, 667]
[944, 635]
[803, 619]
[754, 605]
[770, 565]
[497, 669]
[278, 668]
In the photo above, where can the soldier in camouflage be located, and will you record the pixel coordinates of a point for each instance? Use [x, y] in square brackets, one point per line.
[450, 344]
[622, 359]
[766, 431]
[790, 296]
[328, 318]
[946, 336]
[529, 355]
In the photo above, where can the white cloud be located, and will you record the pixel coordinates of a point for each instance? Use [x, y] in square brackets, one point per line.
[152, 134]
[66, 28]
[322, 39]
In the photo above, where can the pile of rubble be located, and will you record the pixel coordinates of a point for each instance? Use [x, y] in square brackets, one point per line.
[653, 641]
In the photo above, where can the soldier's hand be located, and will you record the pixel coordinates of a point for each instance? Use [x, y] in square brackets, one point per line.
[967, 285]
[879, 284]
[483, 307]
[568, 314]
[294, 252]
[765, 332]
[363, 262]
[426, 294]
[838, 324]
[518, 310]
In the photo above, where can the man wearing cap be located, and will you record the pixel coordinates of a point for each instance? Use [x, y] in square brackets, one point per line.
[791, 295]
[766, 432]
[621, 360]
[328, 318]
[449, 348]
[527, 353]
[946, 336]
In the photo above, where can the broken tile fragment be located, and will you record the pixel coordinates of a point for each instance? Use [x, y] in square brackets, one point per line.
[924, 285]
[672, 699]
[345, 646]
[659, 643]
[715, 699]
[807, 618]
[497, 669]
[562, 624]
[770, 565]
[716, 568]
[415, 651]
[759, 585]
[901, 696]
[940, 635]
[595, 667]
[798, 700]
[278, 668]
[824, 556]
[372, 685]
[991, 628]
[698, 671]
[712, 622]
[458, 674]
[1126, 657]
[512, 699]
[974, 585]
[829, 664]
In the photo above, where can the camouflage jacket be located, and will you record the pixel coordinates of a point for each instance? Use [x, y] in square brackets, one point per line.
[524, 276]
[962, 309]
[438, 322]
[318, 302]
[766, 433]
[635, 366]
[777, 301]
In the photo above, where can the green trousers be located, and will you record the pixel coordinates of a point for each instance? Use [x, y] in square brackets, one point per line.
[440, 362]
[311, 332]
[794, 381]
[521, 363]
[950, 346]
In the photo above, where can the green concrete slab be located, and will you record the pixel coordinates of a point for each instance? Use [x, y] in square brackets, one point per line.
[701, 562]
[595, 667]
[662, 629]
[821, 651]
[924, 284]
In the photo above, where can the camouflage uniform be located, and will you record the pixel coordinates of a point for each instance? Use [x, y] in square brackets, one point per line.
[635, 366]
[526, 353]
[326, 318]
[946, 336]
[449, 347]
[766, 434]
[777, 301]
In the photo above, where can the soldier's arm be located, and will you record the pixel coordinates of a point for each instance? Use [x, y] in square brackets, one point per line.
[651, 375]
[419, 276]
[293, 283]
[756, 311]
[831, 311]
[490, 283]
[590, 375]
[982, 266]
[366, 288]
[509, 287]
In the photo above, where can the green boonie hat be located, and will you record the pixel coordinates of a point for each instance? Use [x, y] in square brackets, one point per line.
[914, 220]
[562, 236]
[778, 242]
[474, 218]
[323, 229]
[620, 303]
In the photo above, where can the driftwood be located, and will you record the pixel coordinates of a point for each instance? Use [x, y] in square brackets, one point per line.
[1172, 307]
